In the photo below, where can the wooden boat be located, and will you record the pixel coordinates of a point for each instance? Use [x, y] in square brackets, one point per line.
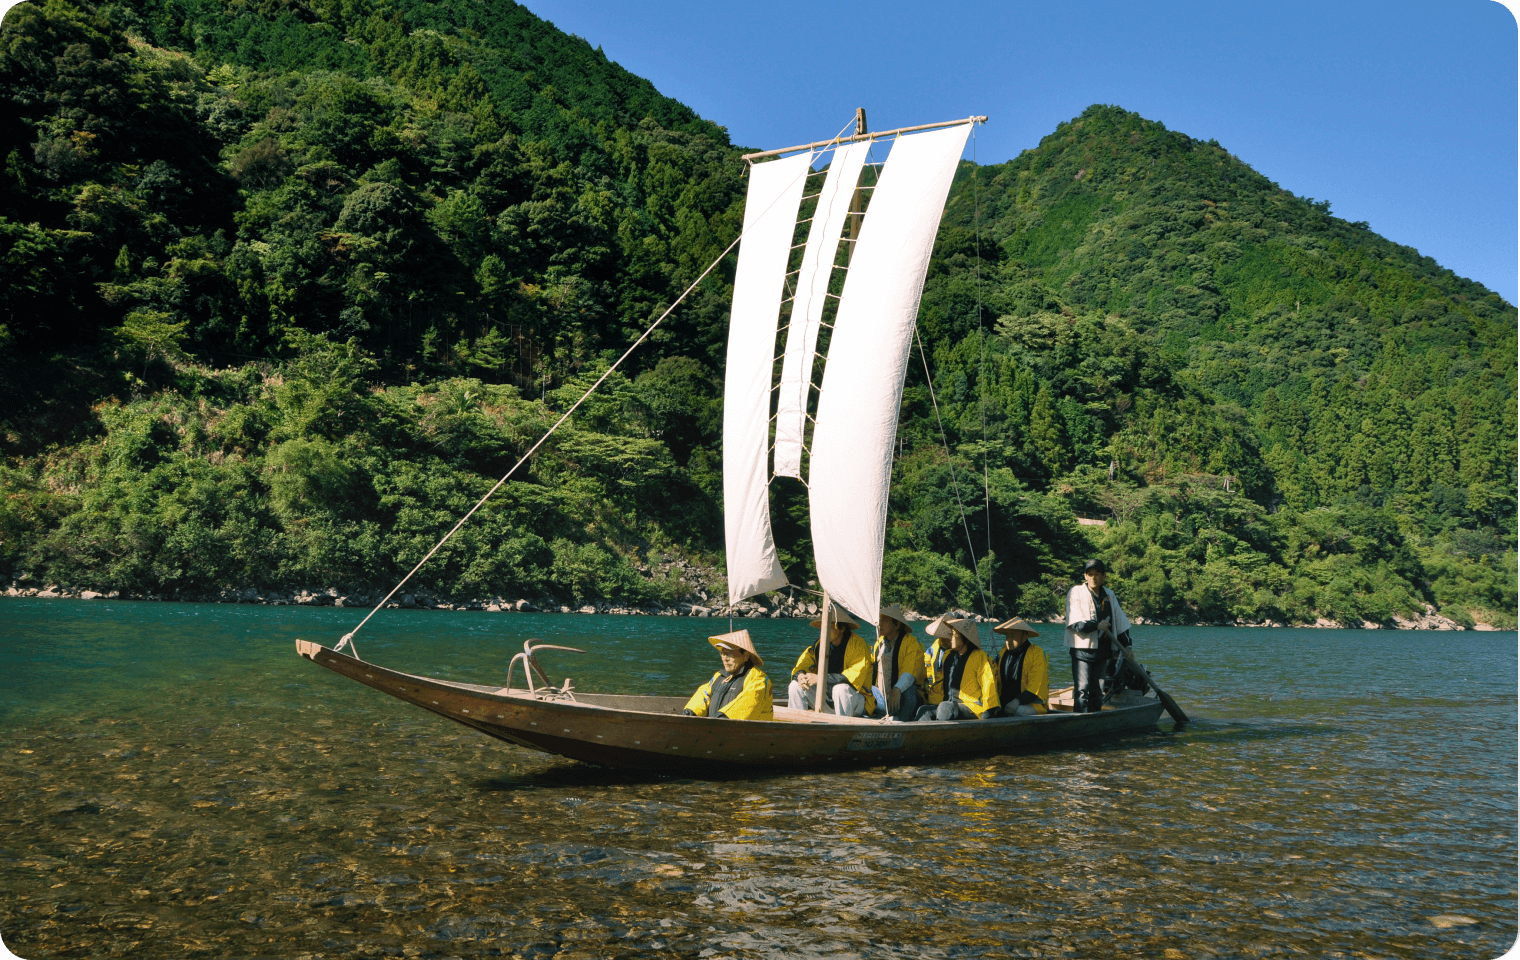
[883, 242]
[649, 733]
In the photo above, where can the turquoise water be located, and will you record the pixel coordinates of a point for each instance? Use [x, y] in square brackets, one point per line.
[176, 782]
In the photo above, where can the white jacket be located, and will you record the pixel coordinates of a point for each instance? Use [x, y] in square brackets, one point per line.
[1080, 607]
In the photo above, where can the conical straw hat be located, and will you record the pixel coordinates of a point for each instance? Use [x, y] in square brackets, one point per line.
[939, 628]
[969, 630]
[837, 615]
[896, 613]
[1017, 623]
[739, 639]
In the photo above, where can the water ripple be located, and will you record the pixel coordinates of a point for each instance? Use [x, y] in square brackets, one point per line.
[166, 798]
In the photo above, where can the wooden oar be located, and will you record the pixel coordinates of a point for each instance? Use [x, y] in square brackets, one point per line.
[1139, 668]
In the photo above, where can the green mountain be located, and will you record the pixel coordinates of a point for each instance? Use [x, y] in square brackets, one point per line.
[1280, 413]
[284, 287]
[288, 285]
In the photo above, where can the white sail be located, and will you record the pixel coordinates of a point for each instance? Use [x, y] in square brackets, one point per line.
[807, 309]
[770, 217]
[851, 466]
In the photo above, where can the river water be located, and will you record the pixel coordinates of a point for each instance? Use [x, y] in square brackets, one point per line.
[176, 782]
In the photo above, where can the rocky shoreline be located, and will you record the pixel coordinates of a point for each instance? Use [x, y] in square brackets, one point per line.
[777, 606]
[771, 606]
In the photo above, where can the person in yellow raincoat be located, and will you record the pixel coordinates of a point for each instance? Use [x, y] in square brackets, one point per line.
[900, 670]
[847, 677]
[968, 685]
[741, 690]
[1022, 670]
[934, 660]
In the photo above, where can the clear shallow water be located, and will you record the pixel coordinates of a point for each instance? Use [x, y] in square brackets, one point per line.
[176, 782]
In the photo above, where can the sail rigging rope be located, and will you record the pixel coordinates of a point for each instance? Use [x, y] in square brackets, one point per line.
[976, 207]
[348, 638]
[954, 484]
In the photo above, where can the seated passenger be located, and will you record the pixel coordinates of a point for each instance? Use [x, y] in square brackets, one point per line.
[934, 660]
[847, 675]
[900, 672]
[1022, 671]
[740, 691]
[969, 687]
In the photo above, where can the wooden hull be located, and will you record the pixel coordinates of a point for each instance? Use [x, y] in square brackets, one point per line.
[649, 733]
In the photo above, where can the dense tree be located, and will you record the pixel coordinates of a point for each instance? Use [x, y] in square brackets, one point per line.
[286, 286]
[1195, 324]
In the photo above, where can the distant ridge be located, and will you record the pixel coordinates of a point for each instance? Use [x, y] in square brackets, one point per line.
[1242, 286]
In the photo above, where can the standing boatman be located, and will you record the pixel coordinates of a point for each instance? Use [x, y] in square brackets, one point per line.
[1093, 616]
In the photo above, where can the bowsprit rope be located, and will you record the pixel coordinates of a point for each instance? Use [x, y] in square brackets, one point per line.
[348, 638]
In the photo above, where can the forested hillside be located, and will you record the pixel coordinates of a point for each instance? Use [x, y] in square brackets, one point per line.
[286, 286]
[1280, 413]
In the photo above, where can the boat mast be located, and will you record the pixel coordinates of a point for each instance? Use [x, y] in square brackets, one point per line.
[855, 218]
[855, 427]
[857, 200]
[823, 654]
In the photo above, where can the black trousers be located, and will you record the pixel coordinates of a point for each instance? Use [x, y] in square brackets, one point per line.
[1088, 668]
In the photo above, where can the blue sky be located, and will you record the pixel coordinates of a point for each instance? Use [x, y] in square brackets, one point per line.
[1400, 114]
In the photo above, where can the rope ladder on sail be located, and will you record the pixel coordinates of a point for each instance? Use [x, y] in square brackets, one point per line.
[812, 387]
